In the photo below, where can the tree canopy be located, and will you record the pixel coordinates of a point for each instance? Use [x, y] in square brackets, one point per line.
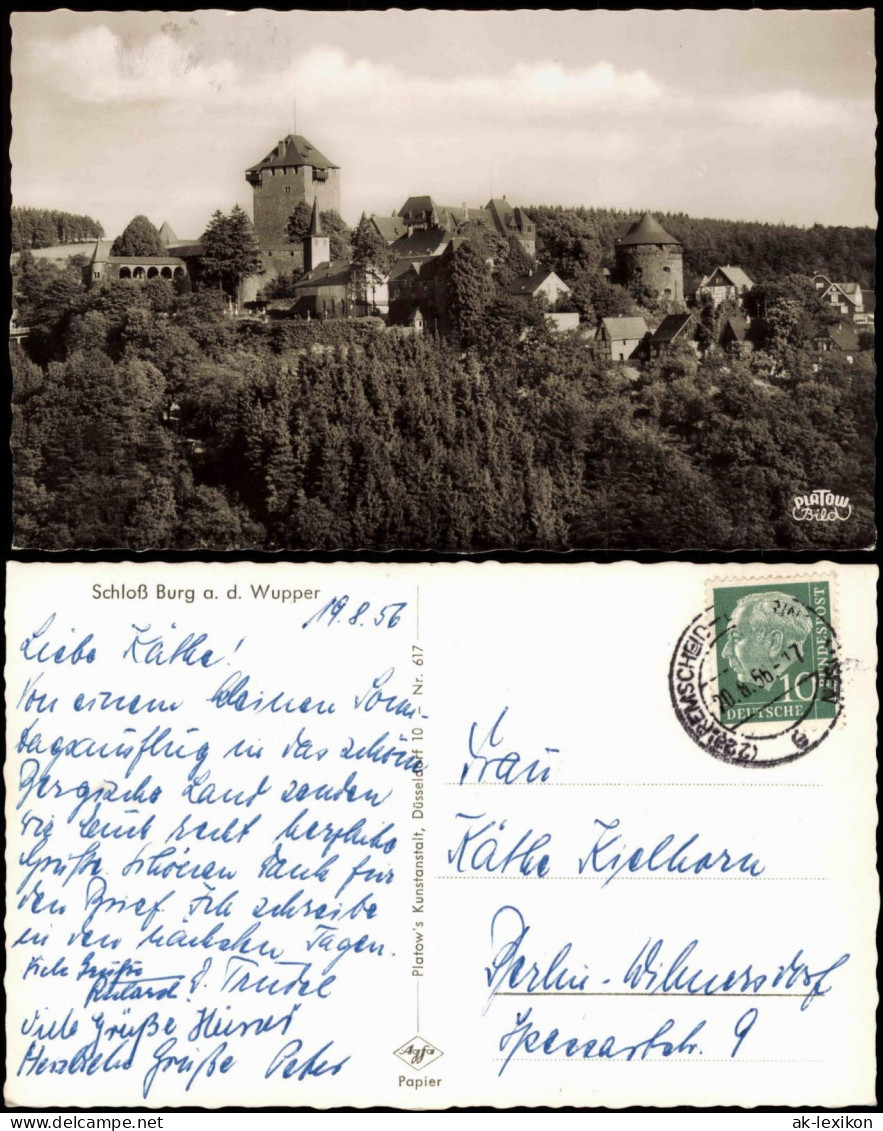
[298, 224]
[229, 250]
[139, 237]
[143, 417]
[46, 227]
[371, 261]
[570, 239]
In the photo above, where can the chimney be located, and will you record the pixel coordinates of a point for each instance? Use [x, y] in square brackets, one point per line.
[280, 148]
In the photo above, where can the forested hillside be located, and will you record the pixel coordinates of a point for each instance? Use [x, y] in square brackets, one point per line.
[143, 417]
[574, 239]
[44, 227]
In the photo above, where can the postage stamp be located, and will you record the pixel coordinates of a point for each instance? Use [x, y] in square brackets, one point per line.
[755, 678]
[774, 656]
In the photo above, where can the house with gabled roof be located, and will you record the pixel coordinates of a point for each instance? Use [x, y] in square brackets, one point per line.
[543, 285]
[618, 338]
[673, 330]
[840, 337]
[725, 284]
[846, 298]
[733, 336]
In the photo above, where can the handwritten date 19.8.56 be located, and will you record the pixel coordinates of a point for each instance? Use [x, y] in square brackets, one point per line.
[332, 612]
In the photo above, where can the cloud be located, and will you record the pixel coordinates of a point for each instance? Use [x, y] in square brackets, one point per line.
[790, 110]
[95, 66]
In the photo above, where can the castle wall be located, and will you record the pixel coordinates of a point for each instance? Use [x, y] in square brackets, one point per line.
[657, 266]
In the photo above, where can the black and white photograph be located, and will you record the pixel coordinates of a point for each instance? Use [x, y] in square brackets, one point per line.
[443, 281]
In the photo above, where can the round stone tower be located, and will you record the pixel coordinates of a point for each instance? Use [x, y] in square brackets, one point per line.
[648, 257]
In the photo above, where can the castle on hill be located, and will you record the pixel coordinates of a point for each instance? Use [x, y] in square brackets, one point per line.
[421, 235]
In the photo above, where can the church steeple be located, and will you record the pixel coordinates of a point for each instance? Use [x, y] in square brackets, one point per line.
[317, 246]
[316, 221]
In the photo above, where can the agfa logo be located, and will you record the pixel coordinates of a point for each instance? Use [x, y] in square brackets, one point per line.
[417, 1053]
[821, 506]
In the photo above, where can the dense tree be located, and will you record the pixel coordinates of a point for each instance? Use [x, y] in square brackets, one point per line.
[143, 417]
[595, 297]
[42, 227]
[139, 237]
[570, 238]
[371, 262]
[471, 291]
[340, 236]
[298, 224]
[229, 251]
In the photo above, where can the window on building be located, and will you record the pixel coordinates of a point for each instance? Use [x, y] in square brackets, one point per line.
[288, 189]
[668, 292]
[667, 270]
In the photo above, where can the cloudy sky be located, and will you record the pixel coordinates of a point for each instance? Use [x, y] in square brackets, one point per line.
[754, 115]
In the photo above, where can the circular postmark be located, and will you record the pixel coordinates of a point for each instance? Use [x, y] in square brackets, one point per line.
[758, 712]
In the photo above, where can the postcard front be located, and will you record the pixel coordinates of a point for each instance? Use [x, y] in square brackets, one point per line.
[440, 835]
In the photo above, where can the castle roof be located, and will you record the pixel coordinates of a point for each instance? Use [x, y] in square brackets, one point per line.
[185, 250]
[166, 234]
[463, 215]
[390, 228]
[146, 260]
[417, 205]
[422, 244]
[505, 217]
[294, 150]
[646, 230]
[101, 250]
[403, 267]
[316, 220]
[333, 274]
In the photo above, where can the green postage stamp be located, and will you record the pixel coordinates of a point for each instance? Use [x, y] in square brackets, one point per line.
[775, 652]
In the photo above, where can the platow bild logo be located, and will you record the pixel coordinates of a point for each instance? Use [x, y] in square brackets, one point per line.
[821, 506]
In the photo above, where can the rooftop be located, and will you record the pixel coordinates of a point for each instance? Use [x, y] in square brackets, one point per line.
[529, 284]
[293, 150]
[335, 273]
[624, 329]
[735, 275]
[421, 244]
[646, 230]
[672, 326]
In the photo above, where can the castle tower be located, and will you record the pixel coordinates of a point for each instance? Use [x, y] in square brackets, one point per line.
[647, 256]
[293, 172]
[317, 246]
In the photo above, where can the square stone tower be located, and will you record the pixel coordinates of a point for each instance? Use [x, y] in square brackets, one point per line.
[293, 172]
